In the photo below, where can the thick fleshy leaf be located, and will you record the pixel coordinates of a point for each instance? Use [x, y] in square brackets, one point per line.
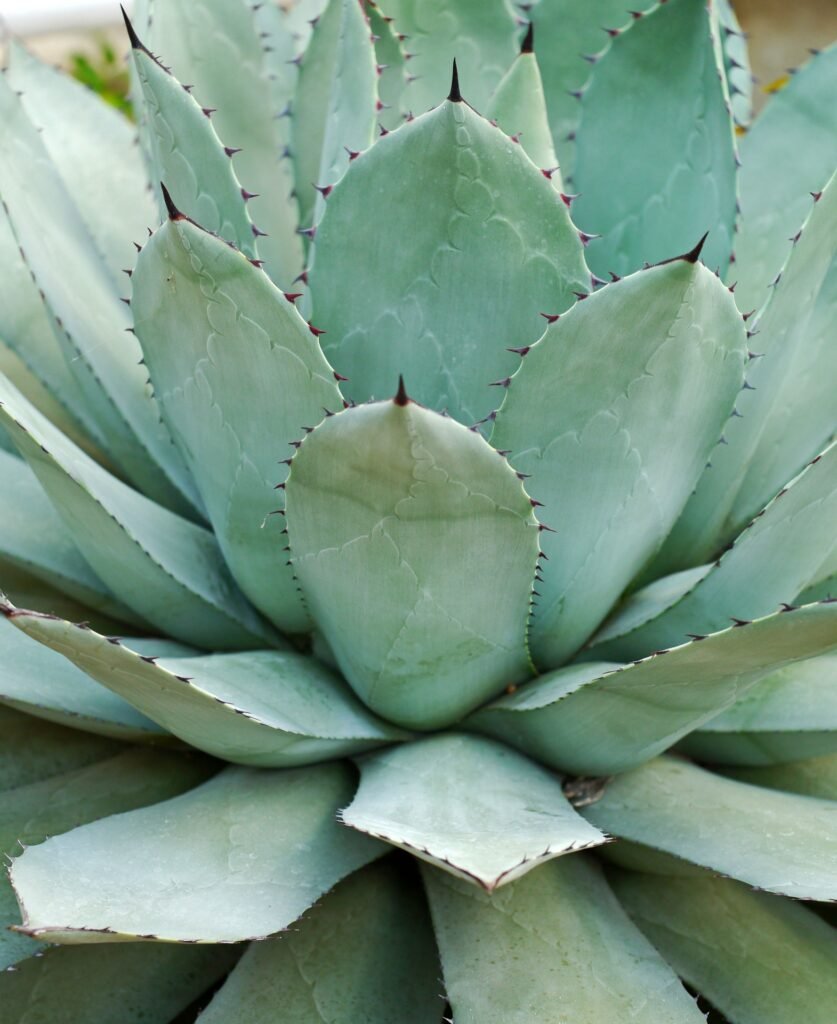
[41, 683]
[596, 718]
[583, 418]
[552, 946]
[118, 984]
[775, 183]
[757, 748]
[187, 155]
[240, 857]
[781, 842]
[166, 568]
[93, 147]
[406, 519]
[737, 68]
[366, 953]
[757, 461]
[518, 105]
[89, 319]
[480, 34]
[491, 247]
[33, 537]
[468, 805]
[239, 378]
[262, 708]
[816, 776]
[394, 78]
[769, 563]
[333, 110]
[719, 936]
[675, 173]
[214, 46]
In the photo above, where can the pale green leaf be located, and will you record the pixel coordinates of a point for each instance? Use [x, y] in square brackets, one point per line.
[240, 857]
[468, 805]
[769, 563]
[491, 247]
[406, 519]
[737, 67]
[263, 708]
[757, 748]
[552, 946]
[365, 955]
[239, 377]
[780, 842]
[168, 569]
[395, 79]
[613, 414]
[758, 958]
[816, 776]
[672, 173]
[596, 718]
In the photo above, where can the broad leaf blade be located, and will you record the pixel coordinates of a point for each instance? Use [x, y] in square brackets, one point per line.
[816, 776]
[468, 805]
[394, 78]
[433, 497]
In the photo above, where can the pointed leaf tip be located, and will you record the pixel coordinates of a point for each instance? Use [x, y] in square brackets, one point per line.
[401, 396]
[173, 212]
[455, 96]
[136, 43]
[694, 254]
[528, 44]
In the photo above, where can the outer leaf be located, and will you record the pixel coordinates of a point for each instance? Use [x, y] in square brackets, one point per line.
[728, 495]
[719, 936]
[539, 950]
[240, 857]
[93, 148]
[39, 682]
[480, 34]
[775, 183]
[776, 841]
[772, 560]
[394, 79]
[366, 953]
[87, 314]
[189, 157]
[518, 105]
[468, 805]
[596, 718]
[433, 496]
[165, 567]
[262, 708]
[491, 247]
[145, 985]
[672, 131]
[583, 417]
[239, 376]
[815, 776]
[333, 111]
[214, 46]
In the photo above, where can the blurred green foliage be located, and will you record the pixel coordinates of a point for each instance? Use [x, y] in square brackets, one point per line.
[105, 73]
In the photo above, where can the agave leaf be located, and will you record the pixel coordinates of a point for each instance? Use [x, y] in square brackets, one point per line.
[468, 805]
[666, 345]
[543, 945]
[240, 857]
[214, 46]
[780, 842]
[596, 718]
[280, 49]
[518, 105]
[718, 935]
[737, 68]
[333, 111]
[815, 776]
[88, 316]
[366, 953]
[189, 157]
[33, 537]
[480, 34]
[301, 17]
[749, 470]
[394, 78]
[43, 684]
[775, 182]
[434, 496]
[490, 243]
[772, 560]
[168, 570]
[262, 708]
[757, 748]
[239, 377]
[146, 985]
[93, 147]
[672, 130]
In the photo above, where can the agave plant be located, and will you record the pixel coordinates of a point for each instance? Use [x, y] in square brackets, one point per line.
[364, 514]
